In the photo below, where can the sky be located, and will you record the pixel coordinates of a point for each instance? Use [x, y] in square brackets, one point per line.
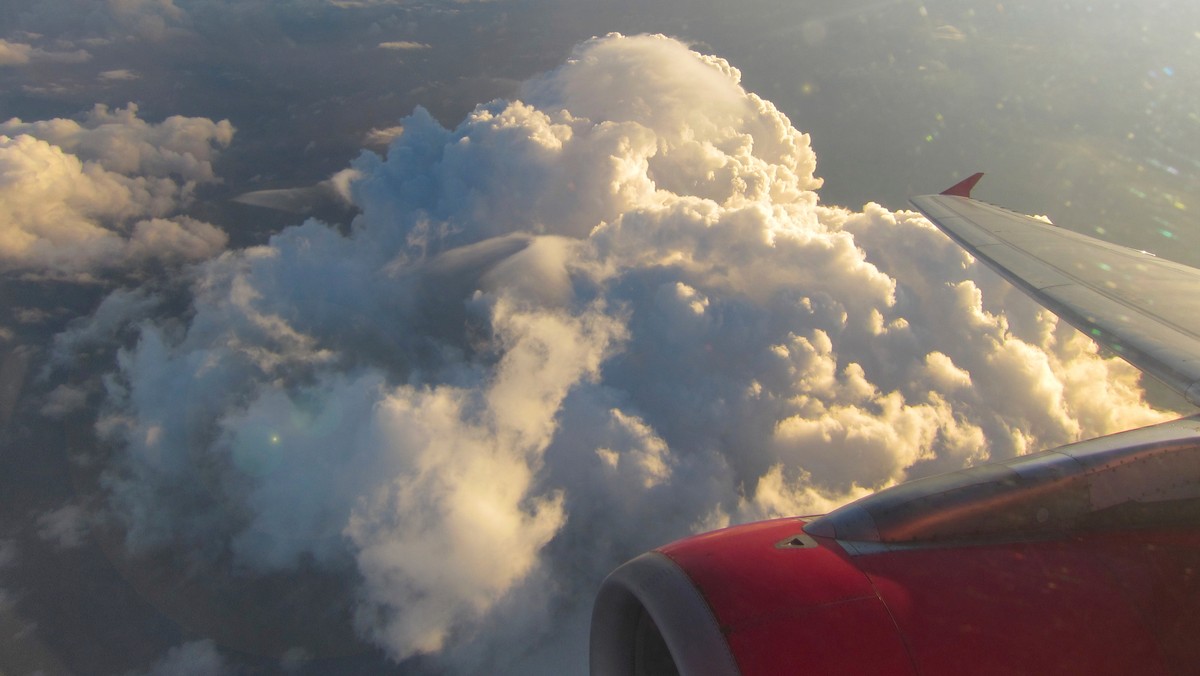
[365, 336]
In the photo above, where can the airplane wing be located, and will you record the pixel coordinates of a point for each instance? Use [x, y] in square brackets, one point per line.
[1144, 308]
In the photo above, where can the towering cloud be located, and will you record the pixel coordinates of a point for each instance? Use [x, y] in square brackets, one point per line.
[579, 324]
[103, 194]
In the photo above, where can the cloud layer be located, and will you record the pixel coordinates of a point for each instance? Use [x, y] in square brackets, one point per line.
[104, 194]
[577, 325]
[20, 54]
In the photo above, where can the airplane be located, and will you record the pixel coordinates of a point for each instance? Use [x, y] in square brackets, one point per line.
[1083, 559]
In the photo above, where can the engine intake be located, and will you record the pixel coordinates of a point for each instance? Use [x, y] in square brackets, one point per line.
[649, 618]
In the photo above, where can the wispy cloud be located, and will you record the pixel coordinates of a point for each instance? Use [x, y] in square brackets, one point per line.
[383, 136]
[403, 45]
[119, 74]
[20, 54]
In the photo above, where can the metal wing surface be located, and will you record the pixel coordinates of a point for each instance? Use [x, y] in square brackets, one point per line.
[1144, 308]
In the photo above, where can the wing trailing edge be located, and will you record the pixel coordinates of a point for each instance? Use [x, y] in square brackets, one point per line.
[1143, 308]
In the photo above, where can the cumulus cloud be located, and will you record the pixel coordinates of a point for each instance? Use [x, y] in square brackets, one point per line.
[575, 326]
[121, 142]
[102, 194]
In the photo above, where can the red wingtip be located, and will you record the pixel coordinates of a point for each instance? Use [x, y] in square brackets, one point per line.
[963, 187]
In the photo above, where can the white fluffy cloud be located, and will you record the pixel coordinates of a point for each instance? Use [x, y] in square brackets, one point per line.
[121, 142]
[104, 194]
[575, 326]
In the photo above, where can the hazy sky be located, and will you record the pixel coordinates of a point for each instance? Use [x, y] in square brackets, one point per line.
[554, 283]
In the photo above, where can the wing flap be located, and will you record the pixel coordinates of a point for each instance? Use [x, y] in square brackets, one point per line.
[1144, 308]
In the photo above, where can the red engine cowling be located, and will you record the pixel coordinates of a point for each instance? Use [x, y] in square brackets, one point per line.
[758, 599]
[768, 599]
[1085, 559]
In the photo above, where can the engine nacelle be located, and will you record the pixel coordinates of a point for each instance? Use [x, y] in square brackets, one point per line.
[1085, 559]
[743, 600]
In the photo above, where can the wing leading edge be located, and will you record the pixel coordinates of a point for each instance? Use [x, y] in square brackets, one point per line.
[1144, 308]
